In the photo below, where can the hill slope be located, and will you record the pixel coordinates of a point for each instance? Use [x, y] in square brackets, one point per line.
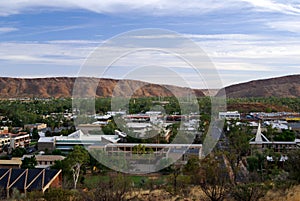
[287, 86]
[63, 87]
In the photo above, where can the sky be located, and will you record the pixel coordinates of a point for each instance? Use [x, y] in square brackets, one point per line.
[243, 39]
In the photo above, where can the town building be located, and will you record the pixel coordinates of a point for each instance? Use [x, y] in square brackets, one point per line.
[261, 143]
[38, 126]
[150, 156]
[230, 115]
[13, 141]
[12, 163]
[66, 143]
[27, 180]
[19, 140]
[45, 161]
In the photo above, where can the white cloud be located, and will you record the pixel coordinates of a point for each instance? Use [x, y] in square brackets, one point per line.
[44, 53]
[287, 25]
[112, 6]
[149, 7]
[232, 54]
[7, 29]
[283, 6]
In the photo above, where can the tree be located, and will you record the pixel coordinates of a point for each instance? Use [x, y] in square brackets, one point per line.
[56, 152]
[176, 170]
[59, 194]
[78, 157]
[238, 146]
[18, 152]
[29, 162]
[192, 166]
[110, 128]
[293, 165]
[114, 189]
[35, 134]
[249, 191]
[213, 178]
[139, 149]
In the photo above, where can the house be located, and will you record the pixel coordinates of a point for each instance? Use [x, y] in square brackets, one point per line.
[45, 161]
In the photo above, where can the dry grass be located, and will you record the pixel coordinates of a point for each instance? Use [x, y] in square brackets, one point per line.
[162, 195]
[291, 195]
[197, 195]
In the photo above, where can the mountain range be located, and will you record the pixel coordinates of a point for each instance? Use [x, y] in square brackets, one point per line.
[63, 87]
[287, 86]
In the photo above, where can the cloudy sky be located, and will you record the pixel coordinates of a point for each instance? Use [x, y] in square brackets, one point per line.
[244, 39]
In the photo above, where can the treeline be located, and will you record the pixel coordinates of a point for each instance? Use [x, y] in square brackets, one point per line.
[24, 112]
[291, 103]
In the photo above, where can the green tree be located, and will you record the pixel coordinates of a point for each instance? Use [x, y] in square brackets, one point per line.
[78, 157]
[18, 152]
[213, 178]
[139, 149]
[29, 162]
[56, 152]
[238, 146]
[293, 165]
[35, 134]
[192, 166]
[110, 128]
[114, 189]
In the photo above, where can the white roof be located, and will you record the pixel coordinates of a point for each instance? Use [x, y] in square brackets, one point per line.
[154, 145]
[82, 138]
[259, 136]
[138, 125]
[46, 139]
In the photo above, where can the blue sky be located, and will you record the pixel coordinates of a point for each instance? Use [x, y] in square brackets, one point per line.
[245, 39]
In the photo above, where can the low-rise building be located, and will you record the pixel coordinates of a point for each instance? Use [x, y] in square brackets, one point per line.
[181, 152]
[261, 142]
[38, 126]
[46, 143]
[12, 163]
[45, 161]
[26, 180]
[229, 115]
[66, 143]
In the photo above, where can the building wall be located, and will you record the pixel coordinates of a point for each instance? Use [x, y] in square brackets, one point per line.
[15, 166]
[43, 146]
[57, 183]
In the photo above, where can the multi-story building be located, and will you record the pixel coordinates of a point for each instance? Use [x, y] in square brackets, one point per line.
[19, 140]
[14, 140]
